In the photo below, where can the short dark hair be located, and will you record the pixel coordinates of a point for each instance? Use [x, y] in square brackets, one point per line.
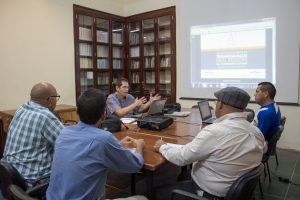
[91, 105]
[119, 81]
[268, 87]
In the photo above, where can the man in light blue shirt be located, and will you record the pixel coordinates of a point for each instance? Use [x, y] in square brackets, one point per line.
[122, 104]
[84, 153]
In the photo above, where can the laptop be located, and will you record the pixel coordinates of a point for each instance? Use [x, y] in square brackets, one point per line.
[205, 112]
[156, 107]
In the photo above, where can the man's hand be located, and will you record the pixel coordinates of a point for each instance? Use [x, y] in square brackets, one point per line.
[154, 98]
[140, 101]
[128, 142]
[158, 144]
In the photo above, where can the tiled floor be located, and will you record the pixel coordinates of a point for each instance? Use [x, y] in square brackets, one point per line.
[289, 167]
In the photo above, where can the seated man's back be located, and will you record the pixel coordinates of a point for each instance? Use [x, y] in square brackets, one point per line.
[31, 137]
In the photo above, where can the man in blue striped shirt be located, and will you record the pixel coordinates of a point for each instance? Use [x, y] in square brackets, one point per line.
[32, 134]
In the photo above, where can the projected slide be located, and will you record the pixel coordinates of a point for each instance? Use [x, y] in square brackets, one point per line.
[239, 54]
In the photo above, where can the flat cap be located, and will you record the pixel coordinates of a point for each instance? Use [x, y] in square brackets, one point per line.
[233, 96]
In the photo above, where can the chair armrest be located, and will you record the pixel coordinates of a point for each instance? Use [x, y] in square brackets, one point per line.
[15, 192]
[38, 191]
[178, 194]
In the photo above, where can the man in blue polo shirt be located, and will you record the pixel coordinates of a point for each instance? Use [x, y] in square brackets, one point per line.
[122, 104]
[268, 116]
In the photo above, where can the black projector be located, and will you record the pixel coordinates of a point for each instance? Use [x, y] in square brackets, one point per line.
[155, 122]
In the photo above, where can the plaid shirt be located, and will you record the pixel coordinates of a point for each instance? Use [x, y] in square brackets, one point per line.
[30, 141]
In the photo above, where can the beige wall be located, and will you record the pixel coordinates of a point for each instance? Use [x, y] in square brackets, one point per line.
[36, 44]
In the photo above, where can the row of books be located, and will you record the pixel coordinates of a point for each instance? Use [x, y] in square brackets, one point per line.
[85, 34]
[86, 63]
[135, 64]
[165, 77]
[134, 51]
[85, 49]
[165, 62]
[102, 51]
[135, 77]
[84, 81]
[165, 49]
[134, 38]
[116, 64]
[103, 79]
[150, 77]
[117, 38]
[117, 52]
[102, 36]
[149, 62]
[149, 50]
[149, 37]
[165, 34]
[102, 63]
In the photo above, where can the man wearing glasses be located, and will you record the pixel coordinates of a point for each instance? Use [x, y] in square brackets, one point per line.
[32, 134]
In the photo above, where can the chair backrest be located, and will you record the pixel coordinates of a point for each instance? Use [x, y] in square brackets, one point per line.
[17, 193]
[2, 138]
[251, 114]
[9, 175]
[272, 143]
[282, 120]
[244, 186]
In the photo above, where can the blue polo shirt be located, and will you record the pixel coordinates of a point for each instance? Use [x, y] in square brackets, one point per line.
[267, 119]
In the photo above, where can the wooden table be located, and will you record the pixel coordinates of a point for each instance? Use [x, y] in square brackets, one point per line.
[182, 131]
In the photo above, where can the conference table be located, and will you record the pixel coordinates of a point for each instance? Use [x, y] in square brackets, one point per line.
[182, 131]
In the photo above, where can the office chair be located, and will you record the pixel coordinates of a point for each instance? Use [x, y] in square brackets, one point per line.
[17, 193]
[242, 188]
[272, 143]
[2, 138]
[251, 114]
[282, 120]
[9, 175]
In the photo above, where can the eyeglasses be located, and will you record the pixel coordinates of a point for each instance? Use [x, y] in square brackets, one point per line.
[55, 96]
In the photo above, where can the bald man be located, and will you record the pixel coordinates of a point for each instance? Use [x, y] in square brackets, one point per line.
[32, 134]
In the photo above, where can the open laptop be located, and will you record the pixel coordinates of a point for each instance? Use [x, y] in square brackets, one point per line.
[205, 112]
[156, 107]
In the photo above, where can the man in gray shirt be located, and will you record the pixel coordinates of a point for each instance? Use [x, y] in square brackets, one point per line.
[122, 104]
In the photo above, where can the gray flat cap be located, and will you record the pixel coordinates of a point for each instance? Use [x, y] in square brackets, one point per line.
[233, 96]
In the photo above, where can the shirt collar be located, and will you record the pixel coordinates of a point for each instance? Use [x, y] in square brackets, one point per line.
[229, 116]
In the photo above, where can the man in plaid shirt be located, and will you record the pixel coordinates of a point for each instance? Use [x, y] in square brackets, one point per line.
[32, 134]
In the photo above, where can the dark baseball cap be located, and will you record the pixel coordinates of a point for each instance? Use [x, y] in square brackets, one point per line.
[233, 96]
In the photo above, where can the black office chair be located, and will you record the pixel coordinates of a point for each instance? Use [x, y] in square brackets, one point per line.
[242, 188]
[9, 175]
[272, 143]
[17, 193]
[251, 114]
[282, 120]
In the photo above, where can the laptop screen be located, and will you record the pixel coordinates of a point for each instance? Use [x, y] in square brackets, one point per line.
[204, 109]
[156, 107]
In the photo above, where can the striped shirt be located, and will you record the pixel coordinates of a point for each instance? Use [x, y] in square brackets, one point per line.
[30, 141]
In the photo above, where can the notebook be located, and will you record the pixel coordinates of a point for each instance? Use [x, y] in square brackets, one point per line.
[205, 112]
[156, 107]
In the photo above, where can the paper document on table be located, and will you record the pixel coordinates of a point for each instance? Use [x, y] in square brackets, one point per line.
[126, 120]
[179, 114]
[177, 146]
[132, 150]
